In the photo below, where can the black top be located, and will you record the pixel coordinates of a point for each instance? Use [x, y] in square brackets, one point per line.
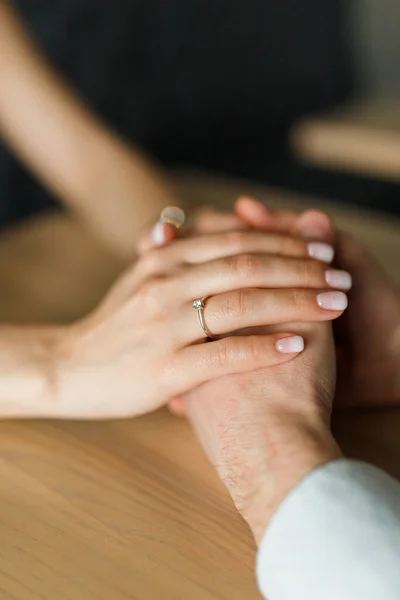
[204, 82]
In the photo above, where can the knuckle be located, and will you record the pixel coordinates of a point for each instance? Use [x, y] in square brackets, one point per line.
[152, 297]
[256, 351]
[223, 352]
[235, 241]
[243, 350]
[297, 301]
[243, 265]
[293, 247]
[150, 262]
[310, 273]
[235, 305]
[226, 352]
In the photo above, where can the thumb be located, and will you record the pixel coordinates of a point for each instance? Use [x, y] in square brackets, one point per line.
[164, 231]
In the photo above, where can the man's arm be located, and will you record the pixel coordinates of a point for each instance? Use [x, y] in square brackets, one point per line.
[70, 150]
[327, 528]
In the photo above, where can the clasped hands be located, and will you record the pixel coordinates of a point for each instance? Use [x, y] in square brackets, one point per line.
[259, 400]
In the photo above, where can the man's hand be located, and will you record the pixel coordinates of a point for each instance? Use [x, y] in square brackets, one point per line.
[266, 429]
[369, 336]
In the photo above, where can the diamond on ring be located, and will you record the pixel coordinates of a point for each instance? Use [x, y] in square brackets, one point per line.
[198, 304]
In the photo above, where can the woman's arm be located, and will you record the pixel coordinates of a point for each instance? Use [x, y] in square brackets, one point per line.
[28, 357]
[71, 151]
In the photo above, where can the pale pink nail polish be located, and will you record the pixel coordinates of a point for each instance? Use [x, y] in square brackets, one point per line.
[290, 345]
[332, 300]
[157, 234]
[338, 279]
[174, 216]
[321, 251]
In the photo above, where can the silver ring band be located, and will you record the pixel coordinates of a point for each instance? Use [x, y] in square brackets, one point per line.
[199, 305]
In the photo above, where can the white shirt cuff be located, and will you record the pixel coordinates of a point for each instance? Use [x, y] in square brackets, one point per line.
[335, 537]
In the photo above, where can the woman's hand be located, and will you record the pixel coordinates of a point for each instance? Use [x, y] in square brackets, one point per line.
[140, 347]
[368, 338]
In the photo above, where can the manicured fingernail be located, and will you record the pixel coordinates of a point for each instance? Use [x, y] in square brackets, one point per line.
[338, 279]
[332, 300]
[321, 251]
[157, 234]
[174, 216]
[290, 345]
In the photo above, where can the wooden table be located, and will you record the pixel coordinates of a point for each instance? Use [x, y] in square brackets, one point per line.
[131, 510]
[360, 138]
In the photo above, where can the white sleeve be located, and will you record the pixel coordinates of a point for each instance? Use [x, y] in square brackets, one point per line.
[335, 537]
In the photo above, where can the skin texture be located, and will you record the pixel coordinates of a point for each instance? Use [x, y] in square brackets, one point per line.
[141, 346]
[145, 335]
[264, 430]
[368, 337]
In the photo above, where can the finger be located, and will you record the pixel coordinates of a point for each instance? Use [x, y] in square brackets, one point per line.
[177, 406]
[161, 234]
[203, 249]
[258, 216]
[311, 224]
[254, 271]
[208, 221]
[197, 364]
[239, 309]
[314, 224]
[165, 230]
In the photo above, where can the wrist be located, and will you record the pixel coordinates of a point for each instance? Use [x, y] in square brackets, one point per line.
[28, 371]
[301, 449]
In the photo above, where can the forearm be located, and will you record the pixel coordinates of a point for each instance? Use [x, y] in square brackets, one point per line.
[300, 448]
[55, 134]
[28, 372]
[261, 465]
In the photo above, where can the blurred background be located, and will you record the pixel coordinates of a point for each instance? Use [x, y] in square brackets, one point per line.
[376, 46]
[223, 84]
